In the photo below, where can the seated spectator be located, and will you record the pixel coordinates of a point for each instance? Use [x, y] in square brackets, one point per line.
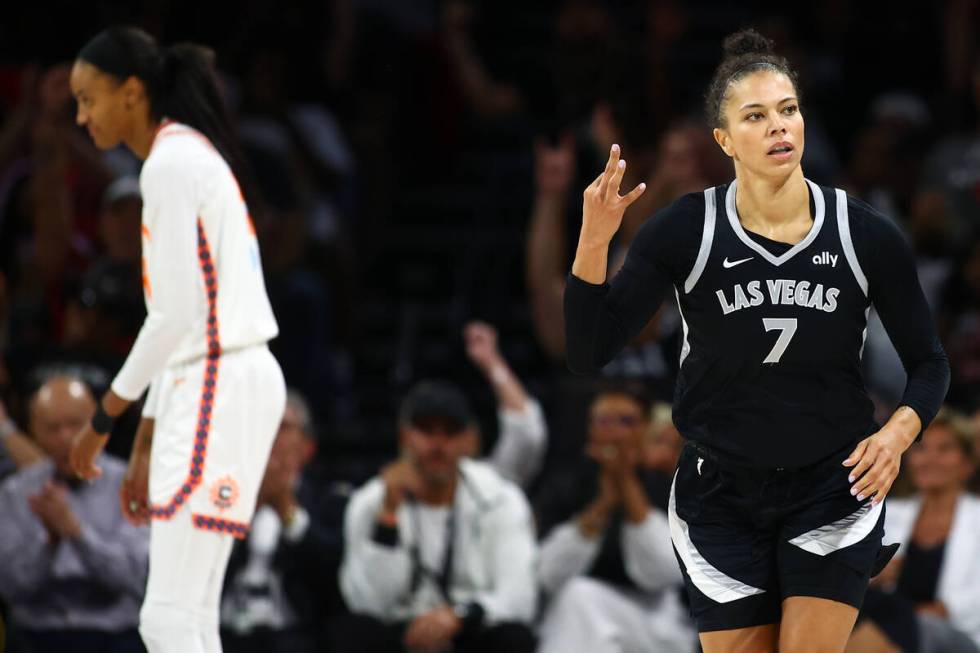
[439, 550]
[71, 568]
[928, 597]
[281, 581]
[607, 564]
[523, 437]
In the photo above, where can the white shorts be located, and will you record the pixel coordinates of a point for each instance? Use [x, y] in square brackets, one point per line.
[216, 419]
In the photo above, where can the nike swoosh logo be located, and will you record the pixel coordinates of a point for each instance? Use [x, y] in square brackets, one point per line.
[730, 264]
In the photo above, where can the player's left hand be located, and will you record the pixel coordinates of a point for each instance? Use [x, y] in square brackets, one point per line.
[876, 461]
[86, 446]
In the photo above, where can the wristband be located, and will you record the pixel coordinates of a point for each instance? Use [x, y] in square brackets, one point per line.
[101, 422]
[471, 615]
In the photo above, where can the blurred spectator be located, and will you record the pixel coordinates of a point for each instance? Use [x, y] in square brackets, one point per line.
[49, 203]
[101, 319]
[607, 563]
[120, 221]
[523, 437]
[439, 550]
[71, 568]
[486, 96]
[281, 581]
[934, 581]
[304, 171]
[886, 161]
[953, 167]
[959, 328]
[17, 451]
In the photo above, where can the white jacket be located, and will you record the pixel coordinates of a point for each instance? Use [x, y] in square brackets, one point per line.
[959, 577]
[494, 553]
[648, 554]
[521, 443]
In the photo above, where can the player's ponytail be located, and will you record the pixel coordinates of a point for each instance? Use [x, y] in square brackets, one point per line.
[181, 85]
[746, 52]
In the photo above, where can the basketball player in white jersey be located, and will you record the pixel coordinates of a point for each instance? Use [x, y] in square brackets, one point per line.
[216, 393]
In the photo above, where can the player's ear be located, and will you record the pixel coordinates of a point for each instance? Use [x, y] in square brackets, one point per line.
[723, 138]
[132, 89]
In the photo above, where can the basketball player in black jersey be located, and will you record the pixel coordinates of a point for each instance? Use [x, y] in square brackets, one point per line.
[776, 510]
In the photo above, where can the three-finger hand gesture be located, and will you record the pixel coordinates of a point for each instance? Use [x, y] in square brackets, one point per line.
[603, 206]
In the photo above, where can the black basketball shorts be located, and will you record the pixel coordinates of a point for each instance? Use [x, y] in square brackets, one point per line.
[748, 538]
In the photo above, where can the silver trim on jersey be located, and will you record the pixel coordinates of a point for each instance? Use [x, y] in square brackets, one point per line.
[841, 533]
[686, 346]
[707, 236]
[864, 334]
[844, 228]
[712, 582]
[818, 203]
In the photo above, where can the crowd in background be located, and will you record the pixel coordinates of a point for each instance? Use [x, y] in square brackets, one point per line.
[419, 167]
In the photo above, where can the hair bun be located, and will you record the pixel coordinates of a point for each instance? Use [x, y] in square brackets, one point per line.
[746, 41]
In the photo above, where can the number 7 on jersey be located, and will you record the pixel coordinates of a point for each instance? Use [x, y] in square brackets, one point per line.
[788, 327]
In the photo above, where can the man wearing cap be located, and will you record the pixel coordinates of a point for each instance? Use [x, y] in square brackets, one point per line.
[439, 549]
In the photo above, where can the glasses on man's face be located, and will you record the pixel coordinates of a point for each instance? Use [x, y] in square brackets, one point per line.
[626, 421]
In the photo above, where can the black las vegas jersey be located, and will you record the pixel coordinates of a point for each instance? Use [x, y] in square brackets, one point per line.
[773, 334]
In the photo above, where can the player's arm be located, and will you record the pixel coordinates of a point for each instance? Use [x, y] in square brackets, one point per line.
[600, 317]
[173, 276]
[894, 290]
[170, 210]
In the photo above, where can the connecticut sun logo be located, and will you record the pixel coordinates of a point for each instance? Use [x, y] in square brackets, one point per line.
[224, 492]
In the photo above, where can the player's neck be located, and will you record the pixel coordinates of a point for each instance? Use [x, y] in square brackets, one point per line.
[768, 206]
[141, 137]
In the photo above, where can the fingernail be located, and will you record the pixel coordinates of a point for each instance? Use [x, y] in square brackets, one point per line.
[643, 186]
[860, 497]
[622, 163]
[853, 491]
[850, 479]
[615, 147]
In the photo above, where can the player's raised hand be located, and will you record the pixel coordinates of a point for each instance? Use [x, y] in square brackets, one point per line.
[603, 206]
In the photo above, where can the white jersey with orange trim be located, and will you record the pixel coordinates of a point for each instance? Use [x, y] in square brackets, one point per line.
[198, 239]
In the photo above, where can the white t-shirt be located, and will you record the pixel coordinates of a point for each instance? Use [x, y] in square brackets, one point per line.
[187, 186]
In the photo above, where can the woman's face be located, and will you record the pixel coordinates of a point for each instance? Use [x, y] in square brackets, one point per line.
[938, 462]
[763, 130]
[104, 104]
